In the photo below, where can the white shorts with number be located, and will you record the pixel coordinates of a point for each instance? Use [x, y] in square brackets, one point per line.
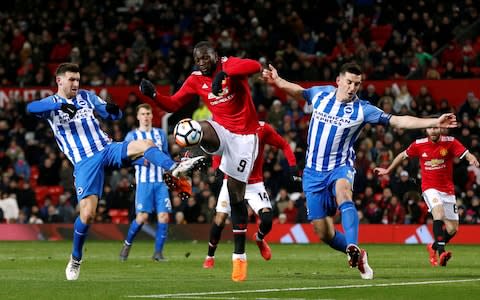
[434, 198]
[238, 152]
[256, 195]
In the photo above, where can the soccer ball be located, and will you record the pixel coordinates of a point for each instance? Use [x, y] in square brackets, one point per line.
[187, 133]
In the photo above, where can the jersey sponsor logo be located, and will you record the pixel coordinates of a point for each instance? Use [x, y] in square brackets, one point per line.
[220, 99]
[434, 164]
[330, 119]
[83, 113]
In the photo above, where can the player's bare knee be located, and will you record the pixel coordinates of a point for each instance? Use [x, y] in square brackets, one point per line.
[210, 140]
[163, 218]
[220, 219]
[141, 218]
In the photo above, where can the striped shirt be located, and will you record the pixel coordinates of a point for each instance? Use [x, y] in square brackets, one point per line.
[150, 173]
[81, 136]
[335, 126]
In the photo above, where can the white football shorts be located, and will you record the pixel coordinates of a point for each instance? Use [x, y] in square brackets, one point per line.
[435, 197]
[256, 195]
[238, 152]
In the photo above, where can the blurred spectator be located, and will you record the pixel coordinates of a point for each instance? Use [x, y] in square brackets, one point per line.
[9, 207]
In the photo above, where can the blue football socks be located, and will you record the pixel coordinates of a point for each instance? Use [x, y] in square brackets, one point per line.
[349, 222]
[338, 242]
[158, 158]
[132, 232]
[80, 232]
[161, 236]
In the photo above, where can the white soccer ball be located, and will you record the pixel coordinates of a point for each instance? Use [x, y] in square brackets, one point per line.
[187, 133]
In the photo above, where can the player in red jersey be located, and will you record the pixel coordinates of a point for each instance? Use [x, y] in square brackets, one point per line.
[222, 84]
[256, 195]
[436, 153]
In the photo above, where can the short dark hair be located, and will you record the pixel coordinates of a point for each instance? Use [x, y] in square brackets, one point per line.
[351, 67]
[144, 105]
[67, 67]
[203, 44]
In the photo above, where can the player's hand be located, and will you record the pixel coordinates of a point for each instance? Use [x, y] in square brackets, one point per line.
[270, 74]
[217, 83]
[295, 174]
[148, 89]
[69, 109]
[448, 121]
[112, 108]
[380, 171]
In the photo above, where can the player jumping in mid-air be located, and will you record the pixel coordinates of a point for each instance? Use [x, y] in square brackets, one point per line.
[222, 84]
[436, 153]
[256, 196]
[337, 119]
[70, 113]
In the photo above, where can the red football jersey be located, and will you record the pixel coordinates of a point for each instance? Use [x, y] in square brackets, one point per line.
[267, 135]
[234, 108]
[436, 161]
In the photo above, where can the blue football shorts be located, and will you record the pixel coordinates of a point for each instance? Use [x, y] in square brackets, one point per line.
[152, 196]
[319, 188]
[89, 173]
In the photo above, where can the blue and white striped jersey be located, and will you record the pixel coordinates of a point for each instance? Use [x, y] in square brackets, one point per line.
[81, 136]
[335, 126]
[150, 173]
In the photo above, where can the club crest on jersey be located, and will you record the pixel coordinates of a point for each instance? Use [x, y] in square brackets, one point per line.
[79, 190]
[443, 152]
[348, 110]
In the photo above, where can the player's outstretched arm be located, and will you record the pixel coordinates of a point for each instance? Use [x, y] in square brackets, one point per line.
[168, 103]
[472, 159]
[46, 105]
[395, 163]
[408, 122]
[270, 75]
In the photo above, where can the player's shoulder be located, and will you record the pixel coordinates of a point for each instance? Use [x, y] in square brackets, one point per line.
[85, 93]
[321, 89]
[159, 130]
[196, 73]
[447, 138]
[421, 141]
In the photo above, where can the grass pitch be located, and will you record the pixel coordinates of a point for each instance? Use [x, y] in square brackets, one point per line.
[36, 270]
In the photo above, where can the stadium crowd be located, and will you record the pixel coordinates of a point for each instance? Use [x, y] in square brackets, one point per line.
[115, 46]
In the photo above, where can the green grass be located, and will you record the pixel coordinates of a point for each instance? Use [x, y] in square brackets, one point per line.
[36, 270]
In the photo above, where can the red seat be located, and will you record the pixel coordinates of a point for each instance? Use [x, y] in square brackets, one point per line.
[54, 192]
[34, 173]
[381, 32]
[119, 216]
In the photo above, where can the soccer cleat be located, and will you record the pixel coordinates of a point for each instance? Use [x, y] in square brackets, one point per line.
[209, 262]
[265, 250]
[444, 257]
[353, 255]
[365, 271]
[187, 164]
[158, 256]
[432, 255]
[124, 252]
[73, 269]
[180, 185]
[239, 272]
